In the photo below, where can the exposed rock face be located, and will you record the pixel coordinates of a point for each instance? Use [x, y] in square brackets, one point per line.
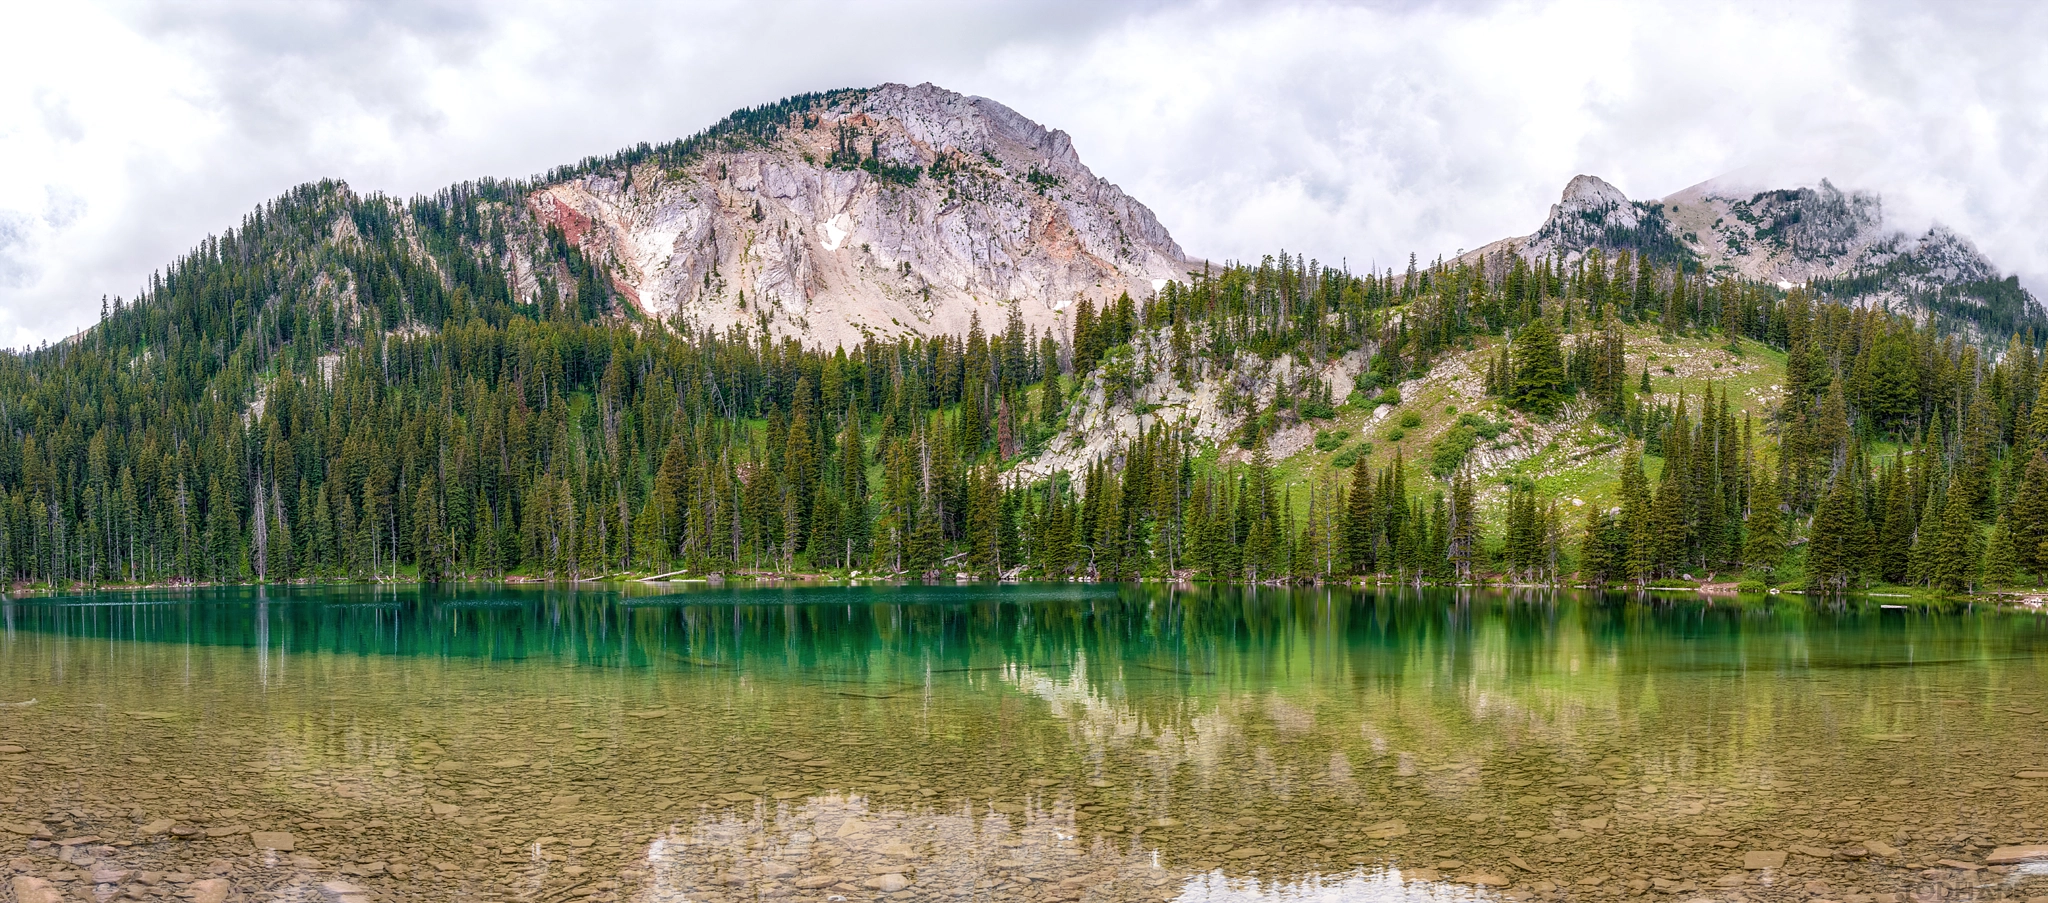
[1822, 235]
[881, 212]
[1591, 212]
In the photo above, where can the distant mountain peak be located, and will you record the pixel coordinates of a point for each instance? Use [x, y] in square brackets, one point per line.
[1818, 234]
[1590, 192]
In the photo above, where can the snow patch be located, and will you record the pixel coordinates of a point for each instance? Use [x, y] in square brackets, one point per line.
[1158, 284]
[834, 232]
[1784, 286]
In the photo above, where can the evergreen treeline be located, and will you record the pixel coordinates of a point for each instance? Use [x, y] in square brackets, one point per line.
[349, 387]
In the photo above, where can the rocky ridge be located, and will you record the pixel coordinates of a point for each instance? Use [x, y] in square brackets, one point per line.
[876, 212]
[1836, 241]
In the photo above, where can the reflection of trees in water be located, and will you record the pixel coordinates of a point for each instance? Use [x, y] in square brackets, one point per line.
[1218, 637]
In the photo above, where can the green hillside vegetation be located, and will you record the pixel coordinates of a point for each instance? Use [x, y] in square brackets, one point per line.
[361, 388]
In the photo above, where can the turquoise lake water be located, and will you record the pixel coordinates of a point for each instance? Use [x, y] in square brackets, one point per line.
[686, 742]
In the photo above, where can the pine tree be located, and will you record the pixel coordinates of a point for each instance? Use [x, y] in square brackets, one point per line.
[1360, 519]
[2001, 559]
[430, 539]
[983, 512]
[1764, 548]
[2028, 513]
[1895, 535]
[1958, 552]
[1830, 564]
[1600, 553]
[1639, 555]
[1463, 544]
[1539, 378]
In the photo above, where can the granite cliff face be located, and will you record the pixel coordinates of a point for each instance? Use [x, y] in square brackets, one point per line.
[1834, 241]
[880, 212]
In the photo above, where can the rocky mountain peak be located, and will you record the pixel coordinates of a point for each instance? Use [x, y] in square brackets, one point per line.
[1591, 212]
[933, 117]
[1586, 192]
[884, 211]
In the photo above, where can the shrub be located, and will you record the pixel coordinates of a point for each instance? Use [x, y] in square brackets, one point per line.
[1396, 434]
[1317, 409]
[1750, 586]
[1411, 420]
[1487, 428]
[1348, 457]
[1119, 373]
[1330, 439]
[1390, 397]
[1449, 451]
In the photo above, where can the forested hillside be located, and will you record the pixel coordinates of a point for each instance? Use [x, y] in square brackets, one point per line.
[356, 387]
[249, 419]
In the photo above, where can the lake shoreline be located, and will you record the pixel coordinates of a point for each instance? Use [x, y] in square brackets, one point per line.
[1886, 595]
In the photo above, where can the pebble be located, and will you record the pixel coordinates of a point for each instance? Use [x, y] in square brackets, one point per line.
[344, 892]
[1763, 859]
[1387, 830]
[2009, 855]
[280, 841]
[210, 890]
[888, 883]
[35, 890]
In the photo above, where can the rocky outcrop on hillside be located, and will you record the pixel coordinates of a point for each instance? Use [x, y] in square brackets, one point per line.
[1209, 409]
[879, 212]
[1836, 241]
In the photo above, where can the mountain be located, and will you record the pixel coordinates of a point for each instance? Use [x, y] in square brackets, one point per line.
[863, 212]
[546, 378]
[1834, 241]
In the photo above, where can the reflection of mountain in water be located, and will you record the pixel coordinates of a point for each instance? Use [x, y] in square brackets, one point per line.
[998, 742]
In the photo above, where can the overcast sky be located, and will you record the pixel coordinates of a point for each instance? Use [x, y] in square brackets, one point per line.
[1356, 132]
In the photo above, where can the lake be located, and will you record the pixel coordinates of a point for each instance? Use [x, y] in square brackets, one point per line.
[655, 743]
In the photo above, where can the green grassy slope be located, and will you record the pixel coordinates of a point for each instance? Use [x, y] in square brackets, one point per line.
[1569, 457]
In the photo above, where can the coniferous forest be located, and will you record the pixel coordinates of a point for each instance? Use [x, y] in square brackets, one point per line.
[282, 404]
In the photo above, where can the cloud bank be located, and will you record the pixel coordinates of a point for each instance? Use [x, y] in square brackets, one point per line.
[1350, 132]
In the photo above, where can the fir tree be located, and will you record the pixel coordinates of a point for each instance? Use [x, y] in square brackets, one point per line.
[1957, 552]
[1830, 560]
[1539, 378]
[1764, 545]
[2001, 558]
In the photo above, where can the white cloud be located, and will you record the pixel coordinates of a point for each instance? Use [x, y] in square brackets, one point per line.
[1355, 132]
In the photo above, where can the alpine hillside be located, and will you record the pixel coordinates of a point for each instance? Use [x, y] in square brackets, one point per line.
[903, 333]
